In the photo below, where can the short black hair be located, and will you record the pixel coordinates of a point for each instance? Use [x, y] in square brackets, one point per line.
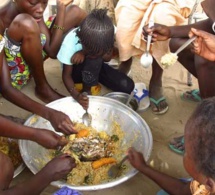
[200, 130]
[96, 32]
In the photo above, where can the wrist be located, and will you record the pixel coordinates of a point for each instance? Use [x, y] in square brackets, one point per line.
[74, 93]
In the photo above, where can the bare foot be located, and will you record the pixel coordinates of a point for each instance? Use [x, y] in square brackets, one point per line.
[47, 95]
[177, 144]
[158, 101]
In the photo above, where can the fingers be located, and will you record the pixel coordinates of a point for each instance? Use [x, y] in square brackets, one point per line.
[63, 141]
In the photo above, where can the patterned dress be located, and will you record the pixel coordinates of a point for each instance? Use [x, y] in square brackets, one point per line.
[2, 42]
[19, 70]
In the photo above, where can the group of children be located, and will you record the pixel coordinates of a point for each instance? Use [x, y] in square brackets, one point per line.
[88, 42]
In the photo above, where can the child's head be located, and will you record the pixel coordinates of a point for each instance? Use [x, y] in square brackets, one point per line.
[35, 8]
[199, 158]
[96, 33]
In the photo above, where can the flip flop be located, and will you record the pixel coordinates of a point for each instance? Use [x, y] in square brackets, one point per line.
[156, 103]
[194, 96]
[175, 149]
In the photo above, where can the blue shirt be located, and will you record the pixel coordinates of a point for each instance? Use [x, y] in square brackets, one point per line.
[69, 47]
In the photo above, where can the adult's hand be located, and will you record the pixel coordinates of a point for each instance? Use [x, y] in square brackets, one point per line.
[59, 167]
[49, 139]
[61, 122]
[204, 45]
[159, 32]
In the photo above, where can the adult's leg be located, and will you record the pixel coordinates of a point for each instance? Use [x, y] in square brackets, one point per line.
[201, 68]
[158, 102]
[25, 30]
[115, 80]
[125, 66]
[7, 170]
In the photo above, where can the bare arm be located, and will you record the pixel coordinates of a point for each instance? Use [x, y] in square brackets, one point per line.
[56, 169]
[59, 120]
[183, 31]
[69, 83]
[171, 185]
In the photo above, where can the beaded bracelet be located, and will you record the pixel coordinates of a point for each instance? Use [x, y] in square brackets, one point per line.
[58, 27]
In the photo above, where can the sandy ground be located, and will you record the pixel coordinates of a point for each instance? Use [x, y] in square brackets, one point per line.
[162, 127]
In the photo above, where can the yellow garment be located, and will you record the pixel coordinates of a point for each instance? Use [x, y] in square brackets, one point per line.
[197, 189]
[89, 5]
[132, 15]
[95, 90]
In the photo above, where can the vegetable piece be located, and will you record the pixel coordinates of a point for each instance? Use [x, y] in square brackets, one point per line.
[114, 138]
[83, 133]
[103, 161]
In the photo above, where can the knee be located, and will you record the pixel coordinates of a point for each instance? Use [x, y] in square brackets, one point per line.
[127, 85]
[24, 23]
[174, 44]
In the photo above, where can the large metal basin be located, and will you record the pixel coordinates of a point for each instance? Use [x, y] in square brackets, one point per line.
[104, 112]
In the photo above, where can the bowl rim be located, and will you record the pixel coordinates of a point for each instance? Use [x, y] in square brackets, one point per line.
[113, 183]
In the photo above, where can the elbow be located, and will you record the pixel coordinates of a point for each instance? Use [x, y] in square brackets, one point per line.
[52, 55]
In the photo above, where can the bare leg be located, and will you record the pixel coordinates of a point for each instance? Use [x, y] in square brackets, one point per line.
[125, 66]
[201, 68]
[155, 89]
[7, 170]
[24, 29]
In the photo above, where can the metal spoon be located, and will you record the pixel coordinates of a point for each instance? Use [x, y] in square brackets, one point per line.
[129, 98]
[86, 118]
[115, 169]
[146, 59]
[185, 45]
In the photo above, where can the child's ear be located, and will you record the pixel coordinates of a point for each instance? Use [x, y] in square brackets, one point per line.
[210, 185]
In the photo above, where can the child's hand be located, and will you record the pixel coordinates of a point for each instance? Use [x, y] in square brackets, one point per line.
[49, 139]
[78, 57]
[84, 101]
[61, 122]
[59, 167]
[136, 159]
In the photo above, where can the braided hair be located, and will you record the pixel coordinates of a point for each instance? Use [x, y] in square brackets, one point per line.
[96, 32]
[201, 133]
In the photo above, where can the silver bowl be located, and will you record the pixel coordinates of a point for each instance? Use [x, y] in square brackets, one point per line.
[123, 97]
[104, 112]
[18, 170]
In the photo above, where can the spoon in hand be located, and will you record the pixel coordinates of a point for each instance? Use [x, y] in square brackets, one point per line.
[146, 59]
[115, 169]
[86, 118]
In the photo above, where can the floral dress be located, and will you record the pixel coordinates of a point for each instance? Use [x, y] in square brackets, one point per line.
[19, 70]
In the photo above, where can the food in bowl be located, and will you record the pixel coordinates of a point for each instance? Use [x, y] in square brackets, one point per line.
[95, 152]
[10, 148]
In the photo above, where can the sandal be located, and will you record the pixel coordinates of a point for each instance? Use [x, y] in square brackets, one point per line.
[177, 145]
[156, 103]
[191, 96]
